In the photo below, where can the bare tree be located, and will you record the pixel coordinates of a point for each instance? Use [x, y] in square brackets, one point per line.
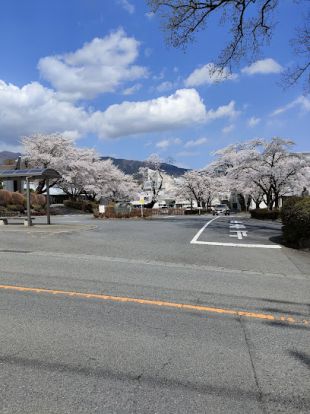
[250, 23]
[301, 69]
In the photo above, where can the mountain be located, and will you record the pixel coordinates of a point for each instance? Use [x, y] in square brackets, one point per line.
[132, 166]
[127, 166]
[8, 155]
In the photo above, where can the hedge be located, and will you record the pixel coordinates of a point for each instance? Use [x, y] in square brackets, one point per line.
[18, 199]
[5, 198]
[111, 213]
[83, 205]
[296, 221]
[265, 214]
[37, 199]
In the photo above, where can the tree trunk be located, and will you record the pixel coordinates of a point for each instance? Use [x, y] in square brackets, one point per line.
[40, 187]
[150, 204]
[241, 202]
[276, 201]
[269, 201]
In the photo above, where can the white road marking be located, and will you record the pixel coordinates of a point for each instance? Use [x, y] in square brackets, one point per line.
[196, 237]
[261, 246]
[239, 234]
[237, 226]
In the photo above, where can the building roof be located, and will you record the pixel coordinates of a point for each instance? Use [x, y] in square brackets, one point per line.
[35, 173]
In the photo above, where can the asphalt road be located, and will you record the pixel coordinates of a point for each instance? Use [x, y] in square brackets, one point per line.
[240, 231]
[109, 333]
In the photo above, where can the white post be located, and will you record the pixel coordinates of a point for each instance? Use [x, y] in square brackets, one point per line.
[29, 223]
[48, 213]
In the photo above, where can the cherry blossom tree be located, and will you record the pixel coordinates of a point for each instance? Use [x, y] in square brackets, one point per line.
[109, 181]
[82, 171]
[198, 185]
[47, 151]
[152, 178]
[268, 167]
[79, 171]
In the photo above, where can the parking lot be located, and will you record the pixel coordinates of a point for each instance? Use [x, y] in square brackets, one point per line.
[132, 316]
[239, 231]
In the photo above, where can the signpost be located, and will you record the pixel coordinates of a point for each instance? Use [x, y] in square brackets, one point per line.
[142, 204]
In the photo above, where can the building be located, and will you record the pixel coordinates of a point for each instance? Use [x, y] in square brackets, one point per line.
[13, 185]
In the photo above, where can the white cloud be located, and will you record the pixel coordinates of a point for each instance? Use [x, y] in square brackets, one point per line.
[165, 143]
[98, 67]
[228, 129]
[224, 111]
[263, 66]
[302, 102]
[133, 89]
[160, 76]
[150, 15]
[182, 108]
[253, 121]
[195, 142]
[208, 74]
[32, 109]
[126, 5]
[165, 86]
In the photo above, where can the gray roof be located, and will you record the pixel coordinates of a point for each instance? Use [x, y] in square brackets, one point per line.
[35, 173]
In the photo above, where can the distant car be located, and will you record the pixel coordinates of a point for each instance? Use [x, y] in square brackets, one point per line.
[221, 209]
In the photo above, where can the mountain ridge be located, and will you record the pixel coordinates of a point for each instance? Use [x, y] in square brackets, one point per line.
[132, 166]
[127, 166]
[8, 155]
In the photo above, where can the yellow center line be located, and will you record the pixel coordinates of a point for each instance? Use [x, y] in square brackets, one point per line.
[286, 319]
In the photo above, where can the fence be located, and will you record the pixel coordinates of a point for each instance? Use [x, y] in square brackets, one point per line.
[167, 211]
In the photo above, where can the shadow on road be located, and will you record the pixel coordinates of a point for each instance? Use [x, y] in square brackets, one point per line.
[160, 380]
[301, 357]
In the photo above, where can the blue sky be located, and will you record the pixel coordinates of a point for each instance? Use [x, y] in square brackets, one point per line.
[101, 73]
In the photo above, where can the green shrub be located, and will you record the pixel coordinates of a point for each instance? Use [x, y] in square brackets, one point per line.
[41, 212]
[15, 207]
[265, 214]
[133, 213]
[191, 211]
[37, 207]
[296, 221]
[83, 205]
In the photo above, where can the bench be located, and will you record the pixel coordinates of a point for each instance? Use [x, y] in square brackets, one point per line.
[4, 220]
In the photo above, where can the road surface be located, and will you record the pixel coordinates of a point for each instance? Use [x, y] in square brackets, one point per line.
[130, 316]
